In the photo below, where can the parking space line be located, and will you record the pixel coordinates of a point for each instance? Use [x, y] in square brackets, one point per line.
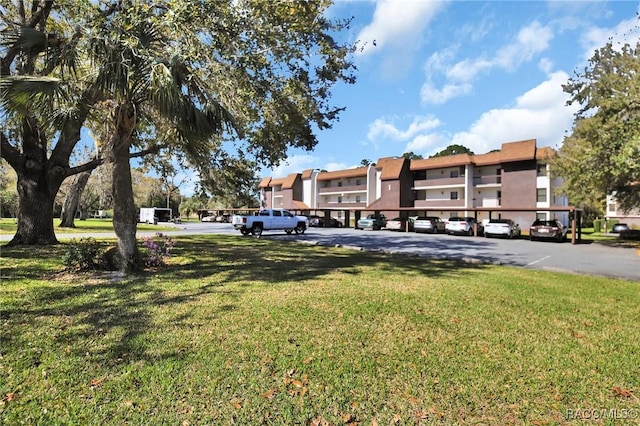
[538, 261]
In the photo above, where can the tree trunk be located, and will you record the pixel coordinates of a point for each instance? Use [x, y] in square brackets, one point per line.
[72, 200]
[35, 211]
[125, 218]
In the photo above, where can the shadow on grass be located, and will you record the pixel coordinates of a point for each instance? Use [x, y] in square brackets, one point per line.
[88, 307]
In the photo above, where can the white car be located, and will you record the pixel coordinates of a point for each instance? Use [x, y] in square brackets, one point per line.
[462, 226]
[501, 228]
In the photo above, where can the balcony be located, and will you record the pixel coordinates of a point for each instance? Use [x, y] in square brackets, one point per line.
[487, 180]
[438, 182]
[335, 189]
[344, 205]
[434, 204]
[487, 202]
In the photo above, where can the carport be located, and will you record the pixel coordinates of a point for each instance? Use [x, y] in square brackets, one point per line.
[575, 214]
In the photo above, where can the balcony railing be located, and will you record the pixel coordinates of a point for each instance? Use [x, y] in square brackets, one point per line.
[343, 188]
[439, 203]
[444, 181]
[342, 205]
[487, 180]
[487, 202]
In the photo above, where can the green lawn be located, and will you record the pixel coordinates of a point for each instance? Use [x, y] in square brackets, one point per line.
[9, 226]
[246, 331]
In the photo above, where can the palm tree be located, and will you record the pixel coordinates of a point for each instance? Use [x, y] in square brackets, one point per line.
[150, 88]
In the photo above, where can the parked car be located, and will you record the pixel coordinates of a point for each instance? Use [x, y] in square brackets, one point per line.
[208, 219]
[400, 224]
[548, 230]
[318, 221]
[501, 228]
[431, 224]
[462, 226]
[372, 221]
[619, 227]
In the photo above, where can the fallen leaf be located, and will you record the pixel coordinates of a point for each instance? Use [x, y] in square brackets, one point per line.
[347, 418]
[297, 383]
[307, 360]
[622, 392]
[270, 393]
[96, 382]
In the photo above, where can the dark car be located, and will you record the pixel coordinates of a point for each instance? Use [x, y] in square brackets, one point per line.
[548, 230]
[619, 227]
[318, 222]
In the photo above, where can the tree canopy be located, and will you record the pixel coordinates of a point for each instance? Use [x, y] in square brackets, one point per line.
[601, 155]
[453, 150]
[222, 83]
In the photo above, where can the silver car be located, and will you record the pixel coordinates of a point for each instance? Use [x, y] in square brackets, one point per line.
[431, 224]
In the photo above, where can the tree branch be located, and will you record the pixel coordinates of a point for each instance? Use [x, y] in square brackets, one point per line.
[10, 153]
[152, 150]
[89, 165]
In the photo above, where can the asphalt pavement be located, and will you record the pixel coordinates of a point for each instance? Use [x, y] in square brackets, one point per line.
[590, 259]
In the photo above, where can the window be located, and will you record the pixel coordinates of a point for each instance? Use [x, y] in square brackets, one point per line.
[454, 195]
[612, 208]
[357, 198]
[541, 216]
[277, 213]
[541, 195]
[453, 174]
[541, 169]
[339, 199]
[339, 183]
[357, 181]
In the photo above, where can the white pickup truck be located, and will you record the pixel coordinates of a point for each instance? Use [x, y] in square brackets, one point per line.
[270, 220]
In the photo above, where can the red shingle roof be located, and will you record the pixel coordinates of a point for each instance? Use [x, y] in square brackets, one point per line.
[339, 174]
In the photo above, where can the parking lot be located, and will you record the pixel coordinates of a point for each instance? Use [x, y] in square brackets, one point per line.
[591, 259]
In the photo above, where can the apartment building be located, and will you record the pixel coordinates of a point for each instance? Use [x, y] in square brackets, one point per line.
[513, 182]
[615, 212]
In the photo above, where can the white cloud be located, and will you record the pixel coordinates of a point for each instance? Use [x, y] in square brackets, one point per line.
[530, 41]
[595, 37]
[422, 144]
[333, 166]
[293, 164]
[397, 21]
[433, 95]
[380, 128]
[541, 113]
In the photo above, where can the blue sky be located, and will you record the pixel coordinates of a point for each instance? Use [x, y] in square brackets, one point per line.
[475, 73]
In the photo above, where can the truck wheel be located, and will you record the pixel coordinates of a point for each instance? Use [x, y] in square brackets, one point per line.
[288, 231]
[300, 228]
[256, 231]
[245, 232]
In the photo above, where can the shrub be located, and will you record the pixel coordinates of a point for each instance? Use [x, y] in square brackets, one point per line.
[156, 251]
[82, 255]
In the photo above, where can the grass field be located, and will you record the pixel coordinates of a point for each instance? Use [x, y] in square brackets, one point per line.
[247, 331]
[9, 226]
